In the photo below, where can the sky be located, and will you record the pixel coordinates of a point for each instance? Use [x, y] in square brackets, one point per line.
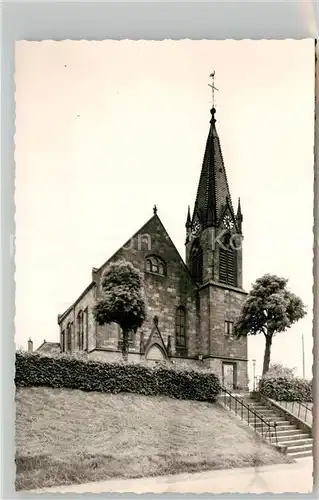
[105, 130]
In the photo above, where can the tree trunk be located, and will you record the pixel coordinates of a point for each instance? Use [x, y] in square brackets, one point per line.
[125, 345]
[267, 354]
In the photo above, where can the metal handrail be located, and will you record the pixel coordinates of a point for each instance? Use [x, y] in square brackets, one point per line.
[246, 405]
[282, 403]
[256, 416]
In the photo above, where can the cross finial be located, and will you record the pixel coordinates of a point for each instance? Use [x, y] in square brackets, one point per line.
[155, 209]
[212, 76]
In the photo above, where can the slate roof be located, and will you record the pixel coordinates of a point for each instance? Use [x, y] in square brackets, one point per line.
[49, 347]
[213, 192]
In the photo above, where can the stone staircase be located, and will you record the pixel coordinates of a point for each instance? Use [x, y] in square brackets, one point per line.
[297, 441]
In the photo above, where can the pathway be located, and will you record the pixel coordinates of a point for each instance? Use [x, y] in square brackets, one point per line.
[296, 477]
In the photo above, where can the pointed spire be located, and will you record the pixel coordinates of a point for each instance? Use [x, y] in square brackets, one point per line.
[188, 225]
[188, 220]
[213, 192]
[239, 216]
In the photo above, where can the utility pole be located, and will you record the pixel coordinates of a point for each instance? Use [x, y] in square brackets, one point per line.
[303, 357]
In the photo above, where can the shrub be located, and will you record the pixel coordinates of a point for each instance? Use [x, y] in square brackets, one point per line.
[74, 373]
[286, 389]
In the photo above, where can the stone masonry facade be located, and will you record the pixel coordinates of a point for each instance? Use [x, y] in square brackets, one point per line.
[163, 295]
[192, 306]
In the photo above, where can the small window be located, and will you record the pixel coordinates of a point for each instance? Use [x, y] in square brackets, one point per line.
[229, 327]
[155, 265]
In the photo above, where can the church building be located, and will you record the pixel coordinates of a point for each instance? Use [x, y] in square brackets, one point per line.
[191, 305]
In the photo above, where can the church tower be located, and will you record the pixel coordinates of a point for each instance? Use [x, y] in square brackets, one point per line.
[214, 258]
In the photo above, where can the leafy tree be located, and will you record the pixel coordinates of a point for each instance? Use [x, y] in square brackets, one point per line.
[278, 370]
[269, 308]
[122, 300]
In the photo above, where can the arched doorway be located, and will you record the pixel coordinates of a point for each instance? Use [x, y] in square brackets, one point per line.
[155, 353]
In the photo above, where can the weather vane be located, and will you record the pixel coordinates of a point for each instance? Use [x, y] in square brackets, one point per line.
[212, 86]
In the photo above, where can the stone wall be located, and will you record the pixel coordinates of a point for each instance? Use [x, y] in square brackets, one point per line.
[240, 367]
[163, 294]
[217, 303]
[84, 303]
[242, 375]
[225, 305]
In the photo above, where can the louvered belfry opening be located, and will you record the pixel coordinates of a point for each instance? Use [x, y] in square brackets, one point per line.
[197, 262]
[227, 263]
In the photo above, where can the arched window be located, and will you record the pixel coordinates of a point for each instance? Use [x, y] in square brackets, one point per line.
[196, 260]
[155, 265]
[227, 262]
[62, 341]
[180, 328]
[86, 328]
[69, 337]
[80, 330]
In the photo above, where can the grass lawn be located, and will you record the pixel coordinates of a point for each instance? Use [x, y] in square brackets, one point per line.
[69, 436]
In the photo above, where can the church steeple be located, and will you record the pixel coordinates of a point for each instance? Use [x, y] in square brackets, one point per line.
[213, 242]
[213, 195]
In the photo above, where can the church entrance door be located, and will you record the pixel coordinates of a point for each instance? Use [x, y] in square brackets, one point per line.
[229, 376]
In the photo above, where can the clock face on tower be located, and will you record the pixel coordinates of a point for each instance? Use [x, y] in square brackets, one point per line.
[228, 222]
[196, 228]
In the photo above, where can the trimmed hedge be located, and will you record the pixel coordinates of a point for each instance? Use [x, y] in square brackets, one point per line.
[74, 373]
[286, 389]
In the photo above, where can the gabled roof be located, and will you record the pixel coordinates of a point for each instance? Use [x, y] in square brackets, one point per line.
[133, 236]
[156, 218]
[49, 347]
[140, 231]
[155, 338]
